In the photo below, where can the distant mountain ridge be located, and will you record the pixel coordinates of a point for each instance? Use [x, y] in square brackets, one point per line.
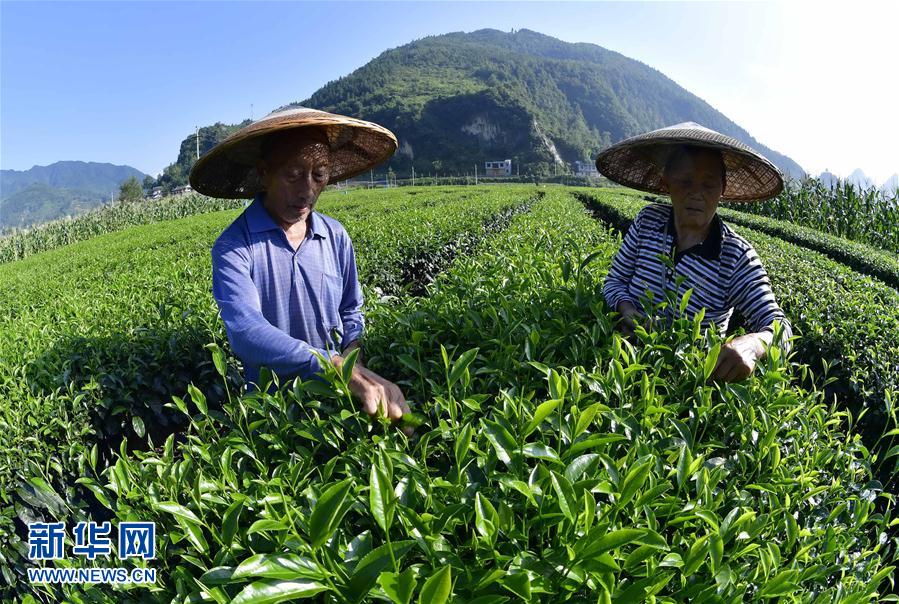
[460, 99]
[43, 193]
[860, 180]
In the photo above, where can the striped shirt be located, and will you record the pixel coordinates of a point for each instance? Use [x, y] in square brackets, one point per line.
[724, 272]
[280, 304]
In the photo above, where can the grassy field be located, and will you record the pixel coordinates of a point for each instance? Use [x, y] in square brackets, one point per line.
[555, 461]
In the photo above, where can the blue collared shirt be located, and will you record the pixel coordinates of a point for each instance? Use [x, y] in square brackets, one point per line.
[280, 304]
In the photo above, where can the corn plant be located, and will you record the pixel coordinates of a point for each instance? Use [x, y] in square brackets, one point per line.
[867, 215]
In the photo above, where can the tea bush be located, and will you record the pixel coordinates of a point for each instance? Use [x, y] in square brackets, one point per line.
[96, 337]
[858, 256]
[849, 322]
[556, 461]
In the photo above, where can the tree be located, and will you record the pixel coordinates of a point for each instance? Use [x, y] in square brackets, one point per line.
[149, 183]
[130, 190]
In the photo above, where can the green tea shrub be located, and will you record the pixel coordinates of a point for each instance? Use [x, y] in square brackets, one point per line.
[554, 461]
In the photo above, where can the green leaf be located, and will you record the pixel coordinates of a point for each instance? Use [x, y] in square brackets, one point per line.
[220, 575]
[567, 500]
[594, 441]
[278, 566]
[178, 511]
[685, 300]
[633, 481]
[47, 496]
[711, 360]
[716, 552]
[271, 591]
[541, 413]
[519, 583]
[218, 359]
[556, 383]
[586, 418]
[230, 522]
[502, 441]
[520, 486]
[684, 459]
[540, 451]
[381, 498]
[198, 398]
[463, 441]
[195, 535]
[398, 587]
[781, 585]
[346, 369]
[329, 511]
[461, 365]
[437, 588]
[610, 541]
[486, 519]
[138, 425]
[266, 524]
[373, 564]
[581, 465]
[98, 491]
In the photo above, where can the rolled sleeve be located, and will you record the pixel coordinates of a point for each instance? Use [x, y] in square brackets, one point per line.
[253, 338]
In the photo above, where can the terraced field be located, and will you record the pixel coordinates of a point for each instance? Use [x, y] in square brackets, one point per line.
[553, 462]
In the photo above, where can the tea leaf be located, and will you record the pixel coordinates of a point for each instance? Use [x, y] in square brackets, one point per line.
[437, 588]
[328, 512]
[272, 591]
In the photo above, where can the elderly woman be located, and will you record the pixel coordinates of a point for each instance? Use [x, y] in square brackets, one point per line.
[696, 167]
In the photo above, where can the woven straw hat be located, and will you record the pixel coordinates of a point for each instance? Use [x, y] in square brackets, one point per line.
[229, 169]
[638, 162]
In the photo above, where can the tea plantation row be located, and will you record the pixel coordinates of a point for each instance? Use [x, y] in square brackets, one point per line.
[849, 322]
[556, 462]
[96, 337]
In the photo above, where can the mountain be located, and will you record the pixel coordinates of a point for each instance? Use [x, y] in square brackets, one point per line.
[86, 176]
[176, 173]
[890, 185]
[460, 99]
[829, 179]
[463, 98]
[43, 193]
[860, 180]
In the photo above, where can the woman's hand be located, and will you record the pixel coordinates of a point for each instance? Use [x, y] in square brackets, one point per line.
[737, 358]
[630, 317]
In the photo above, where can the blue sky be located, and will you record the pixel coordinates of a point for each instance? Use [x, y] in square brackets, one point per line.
[126, 82]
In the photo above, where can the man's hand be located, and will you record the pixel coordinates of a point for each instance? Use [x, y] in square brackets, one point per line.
[737, 358]
[377, 395]
[351, 347]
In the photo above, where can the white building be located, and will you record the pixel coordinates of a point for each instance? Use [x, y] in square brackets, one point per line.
[498, 168]
[583, 168]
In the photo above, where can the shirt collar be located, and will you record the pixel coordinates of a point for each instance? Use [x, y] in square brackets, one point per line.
[710, 248]
[259, 220]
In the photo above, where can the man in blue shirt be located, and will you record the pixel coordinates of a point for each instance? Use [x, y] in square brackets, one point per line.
[284, 276]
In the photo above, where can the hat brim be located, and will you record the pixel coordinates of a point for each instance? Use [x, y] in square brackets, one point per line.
[639, 163]
[228, 170]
